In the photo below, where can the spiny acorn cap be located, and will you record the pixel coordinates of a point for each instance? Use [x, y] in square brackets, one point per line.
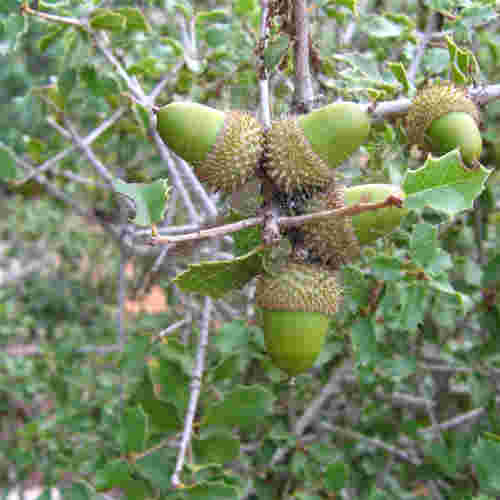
[299, 287]
[369, 226]
[434, 103]
[224, 148]
[332, 240]
[302, 151]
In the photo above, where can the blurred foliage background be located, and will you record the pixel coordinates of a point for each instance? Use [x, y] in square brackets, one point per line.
[402, 403]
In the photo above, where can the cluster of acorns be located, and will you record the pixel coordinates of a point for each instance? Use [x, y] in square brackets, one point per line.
[299, 155]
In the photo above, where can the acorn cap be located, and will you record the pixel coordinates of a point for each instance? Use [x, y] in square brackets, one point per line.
[224, 148]
[302, 151]
[299, 287]
[437, 101]
[333, 240]
[371, 225]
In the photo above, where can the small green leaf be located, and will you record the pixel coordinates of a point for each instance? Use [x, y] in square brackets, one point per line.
[364, 342]
[275, 51]
[157, 466]
[486, 457]
[134, 18]
[381, 27]
[245, 240]
[170, 382]
[163, 416]
[217, 448]
[133, 430]
[176, 46]
[386, 268]
[231, 336]
[424, 244]
[76, 491]
[399, 72]
[244, 8]
[114, 473]
[150, 199]
[216, 278]
[414, 301]
[243, 407]
[491, 276]
[107, 19]
[336, 476]
[7, 165]
[55, 33]
[67, 81]
[444, 184]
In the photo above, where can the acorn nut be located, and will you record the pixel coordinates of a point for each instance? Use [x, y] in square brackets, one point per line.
[296, 305]
[442, 118]
[302, 151]
[223, 147]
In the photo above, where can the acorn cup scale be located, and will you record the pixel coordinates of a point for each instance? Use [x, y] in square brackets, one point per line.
[371, 225]
[223, 147]
[302, 152]
[442, 118]
[296, 304]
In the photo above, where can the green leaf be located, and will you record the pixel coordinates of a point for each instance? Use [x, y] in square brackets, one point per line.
[243, 407]
[100, 85]
[486, 457]
[491, 276]
[157, 466]
[380, 27]
[414, 301]
[386, 268]
[76, 491]
[245, 240]
[216, 278]
[275, 51]
[398, 369]
[356, 288]
[217, 448]
[336, 476]
[67, 81]
[134, 19]
[150, 199]
[364, 342]
[170, 382]
[424, 244]
[55, 33]
[399, 72]
[7, 165]
[177, 47]
[227, 368]
[444, 184]
[352, 5]
[209, 491]
[107, 19]
[163, 416]
[217, 35]
[232, 336]
[244, 8]
[114, 473]
[133, 430]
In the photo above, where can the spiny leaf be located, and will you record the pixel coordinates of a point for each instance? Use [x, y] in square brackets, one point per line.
[150, 199]
[444, 184]
[216, 278]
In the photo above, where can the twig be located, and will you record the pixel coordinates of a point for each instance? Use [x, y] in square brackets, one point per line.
[26, 9]
[88, 140]
[195, 392]
[304, 95]
[167, 331]
[351, 434]
[313, 409]
[264, 106]
[282, 221]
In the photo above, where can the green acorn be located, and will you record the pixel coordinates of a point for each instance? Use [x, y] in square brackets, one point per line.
[332, 240]
[296, 304]
[441, 118]
[369, 226]
[302, 151]
[224, 148]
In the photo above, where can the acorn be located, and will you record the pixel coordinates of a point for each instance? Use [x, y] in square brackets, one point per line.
[296, 304]
[371, 225]
[442, 118]
[332, 240]
[223, 147]
[302, 151]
